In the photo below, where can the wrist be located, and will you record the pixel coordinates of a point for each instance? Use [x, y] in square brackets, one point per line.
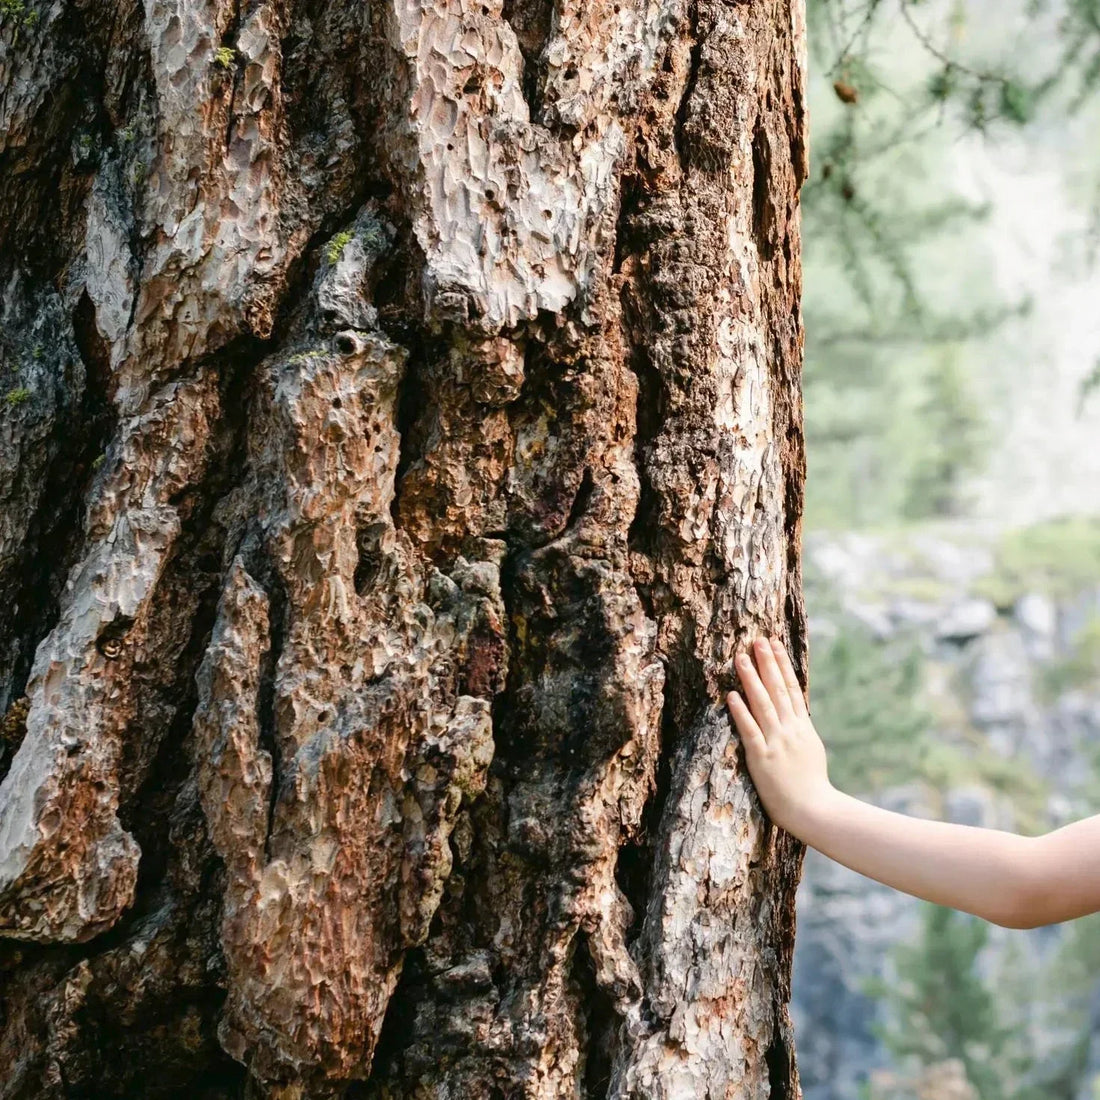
[812, 815]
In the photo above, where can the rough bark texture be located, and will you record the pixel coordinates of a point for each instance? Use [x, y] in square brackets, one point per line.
[400, 434]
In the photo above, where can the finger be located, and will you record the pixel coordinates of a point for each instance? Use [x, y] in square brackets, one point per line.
[773, 678]
[750, 732]
[786, 668]
[763, 709]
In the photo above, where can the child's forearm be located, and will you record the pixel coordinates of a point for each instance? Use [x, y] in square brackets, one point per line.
[1013, 880]
[981, 871]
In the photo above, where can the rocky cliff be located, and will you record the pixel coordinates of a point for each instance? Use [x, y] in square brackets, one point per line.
[999, 726]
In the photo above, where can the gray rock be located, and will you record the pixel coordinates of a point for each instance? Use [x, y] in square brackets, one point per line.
[970, 805]
[1038, 620]
[1001, 681]
[965, 621]
[909, 613]
[874, 618]
[952, 561]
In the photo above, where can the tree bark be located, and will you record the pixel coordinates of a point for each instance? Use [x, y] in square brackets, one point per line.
[401, 433]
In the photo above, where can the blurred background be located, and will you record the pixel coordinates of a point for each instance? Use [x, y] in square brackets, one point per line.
[952, 304]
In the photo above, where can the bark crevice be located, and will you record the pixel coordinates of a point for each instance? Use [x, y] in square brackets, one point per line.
[531, 20]
[266, 714]
[601, 1021]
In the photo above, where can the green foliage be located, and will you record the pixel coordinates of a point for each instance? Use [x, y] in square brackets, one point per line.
[224, 56]
[1022, 1028]
[1074, 968]
[894, 433]
[997, 99]
[1080, 668]
[17, 397]
[940, 1007]
[952, 418]
[337, 245]
[885, 342]
[946, 1004]
[865, 702]
[869, 703]
[947, 765]
[895, 290]
[1079, 63]
[1060, 557]
[942, 84]
[1018, 102]
[1089, 384]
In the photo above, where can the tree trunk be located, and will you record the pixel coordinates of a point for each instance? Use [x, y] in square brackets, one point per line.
[402, 433]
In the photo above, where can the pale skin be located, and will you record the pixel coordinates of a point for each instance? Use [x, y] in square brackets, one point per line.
[1012, 880]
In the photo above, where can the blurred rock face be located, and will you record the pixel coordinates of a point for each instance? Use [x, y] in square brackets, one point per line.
[1009, 698]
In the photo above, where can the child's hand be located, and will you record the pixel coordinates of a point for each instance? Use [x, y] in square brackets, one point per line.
[1015, 881]
[785, 755]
